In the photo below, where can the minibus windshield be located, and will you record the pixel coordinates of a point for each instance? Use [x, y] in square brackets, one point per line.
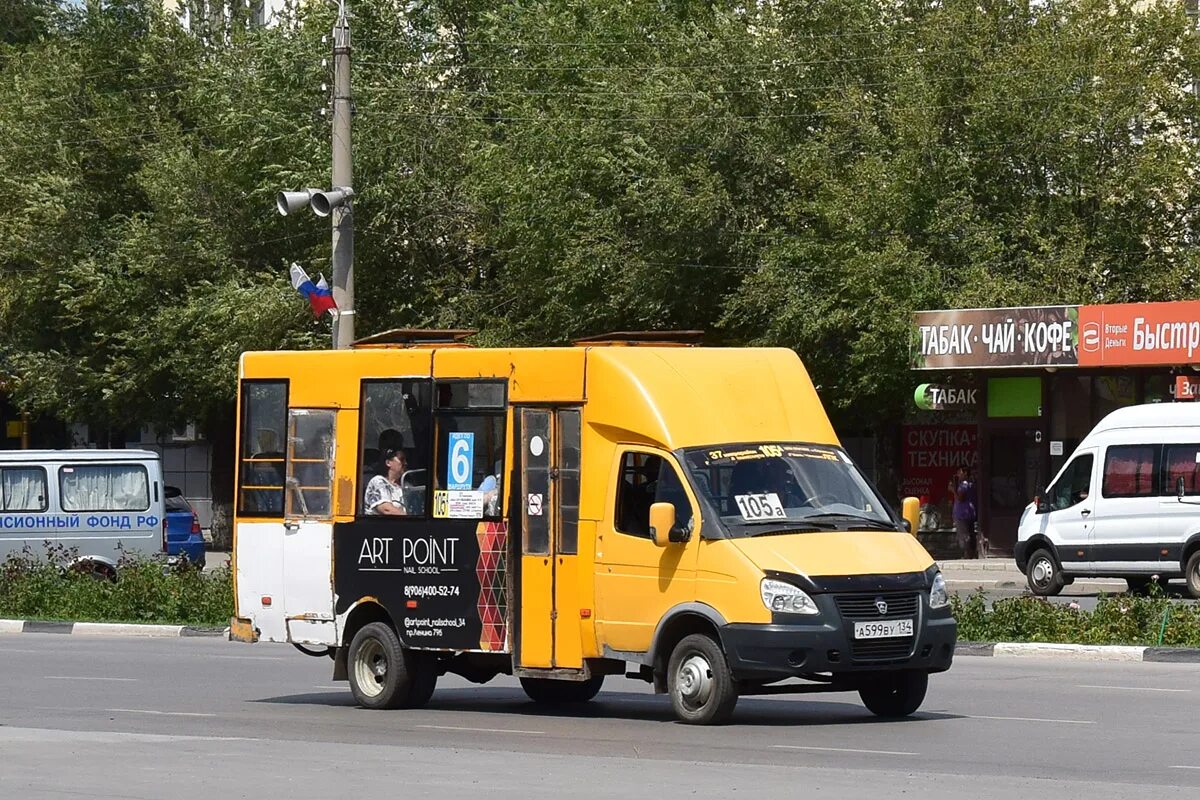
[759, 489]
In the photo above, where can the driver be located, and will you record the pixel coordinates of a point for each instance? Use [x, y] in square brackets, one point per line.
[384, 494]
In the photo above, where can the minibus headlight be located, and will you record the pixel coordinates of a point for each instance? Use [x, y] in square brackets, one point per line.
[938, 596]
[783, 598]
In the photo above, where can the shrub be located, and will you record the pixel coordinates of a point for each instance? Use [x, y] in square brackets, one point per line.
[52, 588]
[1117, 619]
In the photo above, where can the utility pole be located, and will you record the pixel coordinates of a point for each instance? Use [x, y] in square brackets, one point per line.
[343, 179]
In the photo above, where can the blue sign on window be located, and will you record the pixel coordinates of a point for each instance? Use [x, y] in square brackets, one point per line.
[460, 460]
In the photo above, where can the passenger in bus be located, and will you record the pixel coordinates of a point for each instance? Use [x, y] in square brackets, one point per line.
[384, 494]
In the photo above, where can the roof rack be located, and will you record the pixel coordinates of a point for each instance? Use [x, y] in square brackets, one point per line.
[416, 337]
[644, 338]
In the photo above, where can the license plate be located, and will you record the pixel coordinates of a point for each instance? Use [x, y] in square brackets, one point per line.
[886, 629]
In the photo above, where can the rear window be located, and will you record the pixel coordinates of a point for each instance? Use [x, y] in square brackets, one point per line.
[104, 487]
[177, 503]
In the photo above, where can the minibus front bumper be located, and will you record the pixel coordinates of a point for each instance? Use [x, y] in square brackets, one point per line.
[777, 650]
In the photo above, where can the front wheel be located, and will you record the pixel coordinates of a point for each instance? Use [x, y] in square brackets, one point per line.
[550, 692]
[702, 687]
[895, 694]
[1192, 572]
[1045, 577]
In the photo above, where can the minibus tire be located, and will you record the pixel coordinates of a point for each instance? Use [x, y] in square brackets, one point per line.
[1052, 583]
[376, 646]
[550, 692]
[895, 694]
[702, 687]
[1192, 572]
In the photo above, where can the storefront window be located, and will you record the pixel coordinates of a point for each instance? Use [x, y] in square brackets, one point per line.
[1110, 392]
[1159, 389]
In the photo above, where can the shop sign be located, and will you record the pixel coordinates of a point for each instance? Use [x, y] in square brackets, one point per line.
[996, 337]
[944, 397]
[929, 456]
[1187, 387]
[1139, 334]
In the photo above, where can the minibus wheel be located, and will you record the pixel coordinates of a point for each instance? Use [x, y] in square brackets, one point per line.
[1045, 577]
[895, 694]
[550, 692]
[379, 668]
[702, 687]
[1193, 575]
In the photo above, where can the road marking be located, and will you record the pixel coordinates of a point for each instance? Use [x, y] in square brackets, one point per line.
[844, 750]
[86, 678]
[479, 730]
[1129, 688]
[159, 713]
[252, 658]
[1182, 766]
[339, 688]
[1035, 719]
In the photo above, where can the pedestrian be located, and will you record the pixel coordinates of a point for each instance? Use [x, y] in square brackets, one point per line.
[962, 490]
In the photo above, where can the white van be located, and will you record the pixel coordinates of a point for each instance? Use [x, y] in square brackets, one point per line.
[1126, 505]
[99, 503]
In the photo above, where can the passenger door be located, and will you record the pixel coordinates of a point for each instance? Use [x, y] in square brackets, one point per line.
[549, 446]
[637, 582]
[308, 526]
[1072, 501]
[1126, 528]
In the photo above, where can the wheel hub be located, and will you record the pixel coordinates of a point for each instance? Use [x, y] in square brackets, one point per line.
[1042, 571]
[695, 680]
[371, 668]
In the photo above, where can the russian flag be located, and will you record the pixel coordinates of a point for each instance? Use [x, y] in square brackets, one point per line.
[318, 294]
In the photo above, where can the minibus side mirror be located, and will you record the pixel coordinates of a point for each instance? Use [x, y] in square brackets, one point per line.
[662, 521]
[910, 510]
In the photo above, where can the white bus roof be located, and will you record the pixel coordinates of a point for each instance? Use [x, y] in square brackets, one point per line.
[77, 455]
[1151, 415]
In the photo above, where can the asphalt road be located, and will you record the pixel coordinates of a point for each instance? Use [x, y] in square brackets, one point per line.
[204, 718]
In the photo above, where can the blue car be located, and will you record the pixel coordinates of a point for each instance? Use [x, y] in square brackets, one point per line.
[181, 528]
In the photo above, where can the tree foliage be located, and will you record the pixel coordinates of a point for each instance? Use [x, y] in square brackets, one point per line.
[796, 173]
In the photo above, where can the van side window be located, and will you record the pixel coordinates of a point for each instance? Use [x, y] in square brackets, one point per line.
[1074, 484]
[1182, 461]
[1130, 471]
[397, 415]
[644, 480]
[104, 487]
[23, 489]
[263, 439]
[310, 464]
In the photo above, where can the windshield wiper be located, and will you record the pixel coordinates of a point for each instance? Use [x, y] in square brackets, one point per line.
[874, 522]
[789, 526]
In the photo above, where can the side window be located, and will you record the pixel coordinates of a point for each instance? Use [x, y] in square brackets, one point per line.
[469, 476]
[104, 487]
[646, 479]
[23, 489]
[1074, 484]
[1130, 471]
[1181, 461]
[310, 464]
[395, 441]
[263, 438]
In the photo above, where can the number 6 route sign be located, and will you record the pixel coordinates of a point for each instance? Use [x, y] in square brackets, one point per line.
[460, 460]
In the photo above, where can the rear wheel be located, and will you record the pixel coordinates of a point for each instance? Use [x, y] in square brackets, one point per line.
[1045, 577]
[380, 670]
[550, 692]
[702, 687]
[1192, 572]
[895, 694]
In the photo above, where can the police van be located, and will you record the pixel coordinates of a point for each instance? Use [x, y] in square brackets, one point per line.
[98, 504]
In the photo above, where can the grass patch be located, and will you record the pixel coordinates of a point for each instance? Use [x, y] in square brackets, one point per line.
[1117, 619]
[49, 588]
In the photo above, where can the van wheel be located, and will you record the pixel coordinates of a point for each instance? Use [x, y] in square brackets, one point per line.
[1193, 575]
[550, 692]
[895, 694]
[380, 673]
[1045, 577]
[703, 690]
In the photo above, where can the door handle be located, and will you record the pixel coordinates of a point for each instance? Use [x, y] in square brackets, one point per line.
[291, 527]
[1085, 512]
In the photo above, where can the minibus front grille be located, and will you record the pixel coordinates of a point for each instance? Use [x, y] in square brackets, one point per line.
[866, 608]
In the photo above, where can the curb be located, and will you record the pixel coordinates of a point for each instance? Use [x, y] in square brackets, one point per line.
[1079, 652]
[108, 629]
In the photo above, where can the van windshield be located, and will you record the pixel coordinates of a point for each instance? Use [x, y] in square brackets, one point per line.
[760, 489]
